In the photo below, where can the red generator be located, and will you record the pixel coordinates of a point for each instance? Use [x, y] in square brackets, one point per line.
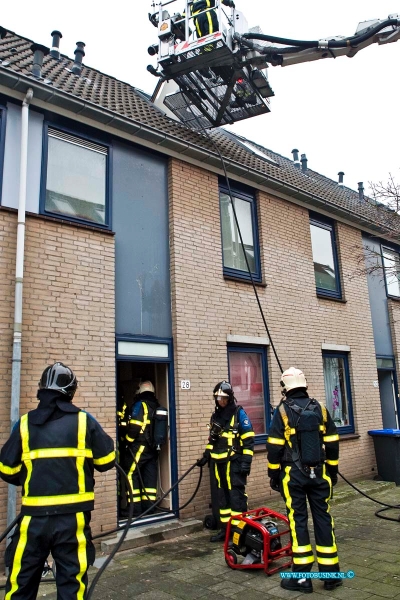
[260, 540]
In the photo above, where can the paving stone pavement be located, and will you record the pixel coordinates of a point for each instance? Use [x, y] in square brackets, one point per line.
[190, 567]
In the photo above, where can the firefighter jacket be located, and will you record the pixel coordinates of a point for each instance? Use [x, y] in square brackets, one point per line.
[282, 436]
[236, 438]
[52, 452]
[140, 423]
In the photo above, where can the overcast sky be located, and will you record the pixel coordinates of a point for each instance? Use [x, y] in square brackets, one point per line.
[342, 113]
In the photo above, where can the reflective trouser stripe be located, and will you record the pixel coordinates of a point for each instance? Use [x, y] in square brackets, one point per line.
[16, 567]
[82, 556]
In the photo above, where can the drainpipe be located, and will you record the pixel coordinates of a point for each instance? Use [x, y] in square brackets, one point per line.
[19, 274]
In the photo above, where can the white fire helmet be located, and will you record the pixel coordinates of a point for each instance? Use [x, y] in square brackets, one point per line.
[146, 386]
[291, 379]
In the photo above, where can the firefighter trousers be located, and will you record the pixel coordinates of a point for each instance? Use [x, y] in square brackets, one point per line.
[67, 537]
[206, 23]
[232, 495]
[297, 488]
[143, 474]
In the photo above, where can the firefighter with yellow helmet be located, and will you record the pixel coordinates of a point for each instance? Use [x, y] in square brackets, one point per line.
[303, 458]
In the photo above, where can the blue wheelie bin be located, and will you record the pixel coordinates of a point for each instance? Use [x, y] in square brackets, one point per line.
[387, 452]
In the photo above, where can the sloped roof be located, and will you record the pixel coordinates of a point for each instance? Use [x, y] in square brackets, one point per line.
[120, 98]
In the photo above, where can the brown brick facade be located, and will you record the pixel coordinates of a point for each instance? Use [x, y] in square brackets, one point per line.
[68, 315]
[206, 308]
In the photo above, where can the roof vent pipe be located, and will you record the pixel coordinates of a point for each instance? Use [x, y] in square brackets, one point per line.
[39, 53]
[79, 54]
[3, 33]
[55, 46]
[296, 160]
[361, 191]
[304, 163]
[341, 175]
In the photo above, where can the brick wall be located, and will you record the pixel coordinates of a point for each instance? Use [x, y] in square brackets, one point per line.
[68, 315]
[206, 308]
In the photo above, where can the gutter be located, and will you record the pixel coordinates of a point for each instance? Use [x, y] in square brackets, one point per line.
[19, 277]
[172, 146]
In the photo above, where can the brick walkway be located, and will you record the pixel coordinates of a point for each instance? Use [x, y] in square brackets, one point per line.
[190, 567]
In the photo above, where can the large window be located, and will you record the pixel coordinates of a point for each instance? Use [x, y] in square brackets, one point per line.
[391, 264]
[75, 178]
[337, 390]
[325, 257]
[248, 377]
[233, 253]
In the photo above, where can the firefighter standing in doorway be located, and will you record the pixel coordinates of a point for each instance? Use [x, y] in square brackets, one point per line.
[230, 448]
[143, 467]
[52, 452]
[303, 458]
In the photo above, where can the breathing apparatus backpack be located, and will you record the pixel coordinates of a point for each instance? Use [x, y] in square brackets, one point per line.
[304, 439]
[157, 433]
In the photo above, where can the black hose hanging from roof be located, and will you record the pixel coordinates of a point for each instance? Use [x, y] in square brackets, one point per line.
[301, 44]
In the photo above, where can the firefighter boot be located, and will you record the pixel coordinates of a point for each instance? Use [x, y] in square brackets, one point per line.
[331, 584]
[218, 537]
[297, 585]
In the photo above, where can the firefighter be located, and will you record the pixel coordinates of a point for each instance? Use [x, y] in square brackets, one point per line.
[230, 448]
[52, 453]
[206, 22]
[143, 467]
[303, 458]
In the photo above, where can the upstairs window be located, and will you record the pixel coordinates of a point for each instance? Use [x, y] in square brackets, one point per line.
[232, 250]
[391, 265]
[337, 390]
[75, 178]
[325, 258]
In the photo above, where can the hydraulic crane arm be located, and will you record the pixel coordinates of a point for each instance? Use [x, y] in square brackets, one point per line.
[292, 52]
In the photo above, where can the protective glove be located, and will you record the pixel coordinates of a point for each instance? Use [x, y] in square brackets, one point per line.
[334, 479]
[202, 461]
[245, 468]
[275, 484]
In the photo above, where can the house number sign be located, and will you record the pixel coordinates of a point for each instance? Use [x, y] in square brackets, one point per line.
[185, 384]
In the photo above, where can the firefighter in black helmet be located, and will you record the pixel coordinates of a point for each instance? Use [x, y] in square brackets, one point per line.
[303, 458]
[230, 448]
[52, 453]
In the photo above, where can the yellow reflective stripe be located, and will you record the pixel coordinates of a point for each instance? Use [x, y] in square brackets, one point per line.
[331, 438]
[16, 567]
[249, 452]
[223, 511]
[274, 465]
[210, 23]
[57, 453]
[145, 417]
[277, 441]
[134, 463]
[321, 428]
[222, 455]
[9, 470]
[217, 475]
[105, 459]
[290, 510]
[328, 561]
[235, 512]
[326, 549]
[25, 449]
[209, 447]
[151, 490]
[80, 460]
[133, 422]
[247, 435]
[82, 555]
[129, 439]
[300, 549]
[332, 462]
[228, 475]
[303, 560]
[324, 412]
[56, 500]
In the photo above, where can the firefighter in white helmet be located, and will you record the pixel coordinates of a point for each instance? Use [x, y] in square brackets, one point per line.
[303, 458]
[143, 461]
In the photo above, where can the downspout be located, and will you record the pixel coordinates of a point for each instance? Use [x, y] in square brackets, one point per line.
[19, 275]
